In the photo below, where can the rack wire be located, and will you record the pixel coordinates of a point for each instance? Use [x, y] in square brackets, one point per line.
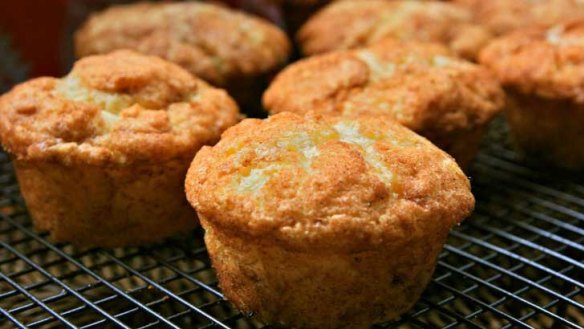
[516, 263]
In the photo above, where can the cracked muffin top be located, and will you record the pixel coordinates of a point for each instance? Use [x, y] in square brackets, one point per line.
[212, 42]
[117, 108]
[327, 183]
[421, 85]
[349, 24]
[503, 16]
[548, 62]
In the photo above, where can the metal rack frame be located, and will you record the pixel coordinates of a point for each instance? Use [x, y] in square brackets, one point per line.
[518, 262]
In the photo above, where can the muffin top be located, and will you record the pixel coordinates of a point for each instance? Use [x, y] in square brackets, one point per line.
[548, 62]
[328, 183]
[503, 16]
[357, 23]
[421, 85]
[211, 41]
[117, 108]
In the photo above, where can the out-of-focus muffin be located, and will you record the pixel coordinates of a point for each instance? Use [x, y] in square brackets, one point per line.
[225, 47]
[542, 72]
[101, 154]
[421, 85]
[503, 16]
[349, 24]
[325, 222]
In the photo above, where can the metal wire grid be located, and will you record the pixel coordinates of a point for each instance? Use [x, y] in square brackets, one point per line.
[516, 263]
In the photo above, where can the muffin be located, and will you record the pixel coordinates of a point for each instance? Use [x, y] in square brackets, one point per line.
[503, 16]
[102, 153]
[541, 70]
[225, 47]
[423, 86]
[325, 222]
[352, 24]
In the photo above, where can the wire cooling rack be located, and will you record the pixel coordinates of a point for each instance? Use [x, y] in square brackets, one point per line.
[516, 263]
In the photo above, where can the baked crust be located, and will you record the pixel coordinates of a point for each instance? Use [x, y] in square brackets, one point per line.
[421, 85]
[352, 24]
[503, 16]
[114, 206]
[326, 183]
[113, 109]
[354, 290]
[547, 62]
[211, 41]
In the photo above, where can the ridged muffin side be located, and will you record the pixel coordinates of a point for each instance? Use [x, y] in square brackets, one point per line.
[421, 85]
[349, 24]
[325, 222]
[100, 154]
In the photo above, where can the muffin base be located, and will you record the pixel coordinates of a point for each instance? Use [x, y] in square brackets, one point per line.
[106, 207]
[546, 130]
[321, 289]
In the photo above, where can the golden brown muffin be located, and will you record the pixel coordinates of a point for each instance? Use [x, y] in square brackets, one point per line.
[542, 70]
[225, 47]
[446, 99]
[503, 16]
[101, 154]
[352, 24]
[325, 222]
